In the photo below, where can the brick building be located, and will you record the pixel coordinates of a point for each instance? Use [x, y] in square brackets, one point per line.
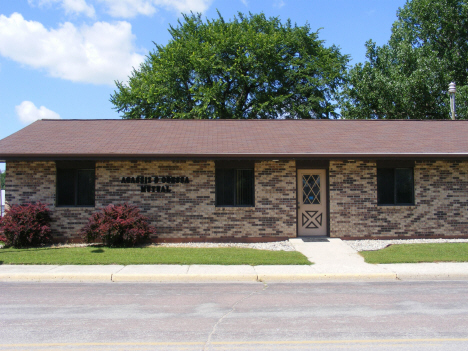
[248, 180]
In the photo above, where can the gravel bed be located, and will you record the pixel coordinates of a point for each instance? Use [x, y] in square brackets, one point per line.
[272, 246]
[371, 245]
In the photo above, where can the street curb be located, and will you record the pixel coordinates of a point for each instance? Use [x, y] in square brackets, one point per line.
[183, 278]
[327, 276]
[55, 277]
[221, 274]
[11, 277]
[432, 276]
[193, 278]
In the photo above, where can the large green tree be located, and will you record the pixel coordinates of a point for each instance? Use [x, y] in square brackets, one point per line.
[2, 180]
[409, 76]
[250, 67]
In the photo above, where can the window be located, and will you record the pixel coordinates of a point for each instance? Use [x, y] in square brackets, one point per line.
[234, 183]
[395, 185]
[75, 183]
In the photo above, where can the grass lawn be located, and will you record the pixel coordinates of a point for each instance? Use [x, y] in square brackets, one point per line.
[414, 253]
[150, 255]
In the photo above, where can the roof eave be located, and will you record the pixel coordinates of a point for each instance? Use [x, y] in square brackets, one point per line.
[52, 157]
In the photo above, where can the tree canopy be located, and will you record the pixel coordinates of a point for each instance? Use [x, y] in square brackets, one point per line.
[249, 67]
[409, 76]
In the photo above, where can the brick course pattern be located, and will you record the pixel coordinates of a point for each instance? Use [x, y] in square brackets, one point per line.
[441, 202]
[35, 181]
[187, 212]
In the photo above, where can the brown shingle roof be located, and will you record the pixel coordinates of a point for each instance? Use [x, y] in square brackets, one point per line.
[237, 138]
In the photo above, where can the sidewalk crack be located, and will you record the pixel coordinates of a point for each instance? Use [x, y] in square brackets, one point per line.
[52, 268]
[233, 308]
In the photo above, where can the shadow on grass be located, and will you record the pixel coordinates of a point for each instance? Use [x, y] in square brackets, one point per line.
[97, 251]
[23, 249]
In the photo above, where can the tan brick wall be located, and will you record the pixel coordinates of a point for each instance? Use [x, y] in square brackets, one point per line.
[441, 201]
[35, 181]
[30, 182]
[188, 211]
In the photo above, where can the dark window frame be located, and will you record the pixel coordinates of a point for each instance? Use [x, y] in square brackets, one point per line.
[75, 168]
[395, 167]
[231, 168]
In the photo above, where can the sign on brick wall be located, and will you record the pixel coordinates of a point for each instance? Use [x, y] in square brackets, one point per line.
[146, 183]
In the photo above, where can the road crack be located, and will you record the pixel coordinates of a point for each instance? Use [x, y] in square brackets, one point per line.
[233, 308]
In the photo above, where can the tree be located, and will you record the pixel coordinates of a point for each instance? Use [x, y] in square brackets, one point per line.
[250, 67]
[2, 180]
[409, 76]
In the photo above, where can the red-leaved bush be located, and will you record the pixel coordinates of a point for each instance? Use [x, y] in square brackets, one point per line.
[118, 226]
[26, 225]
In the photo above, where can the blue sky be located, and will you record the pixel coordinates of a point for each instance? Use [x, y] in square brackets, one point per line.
[59, 58]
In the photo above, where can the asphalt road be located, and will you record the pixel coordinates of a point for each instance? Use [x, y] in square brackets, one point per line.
[297, 316]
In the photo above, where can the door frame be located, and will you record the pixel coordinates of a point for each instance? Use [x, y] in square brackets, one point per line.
[314, 164]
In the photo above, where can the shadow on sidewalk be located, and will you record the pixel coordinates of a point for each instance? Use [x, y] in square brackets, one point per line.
[311, 239]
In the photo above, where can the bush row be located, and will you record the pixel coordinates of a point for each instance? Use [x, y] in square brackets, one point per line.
[115, 225]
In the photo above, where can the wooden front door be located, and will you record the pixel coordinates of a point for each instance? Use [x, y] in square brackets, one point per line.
[312, 202]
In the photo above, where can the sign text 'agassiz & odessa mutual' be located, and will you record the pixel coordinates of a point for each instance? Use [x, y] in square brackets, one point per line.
[155, 180]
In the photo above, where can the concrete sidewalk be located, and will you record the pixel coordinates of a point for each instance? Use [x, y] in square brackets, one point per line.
[337, 260]
[333, 260]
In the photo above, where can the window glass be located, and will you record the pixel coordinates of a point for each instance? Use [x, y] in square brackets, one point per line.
[311, 189]
[85, 187]
[65, 187]
[225, 181]
[404, 185]
[395, 186]
[385, 186]
[234, 187]
[75, 186]
[244, 187]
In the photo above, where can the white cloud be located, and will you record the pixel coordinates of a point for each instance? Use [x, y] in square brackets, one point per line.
[28, 112]
[132, 8]
[279, 3]
[70, 6]
[185, 5]
[245, 2]
[97, 54]
[129, 8]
